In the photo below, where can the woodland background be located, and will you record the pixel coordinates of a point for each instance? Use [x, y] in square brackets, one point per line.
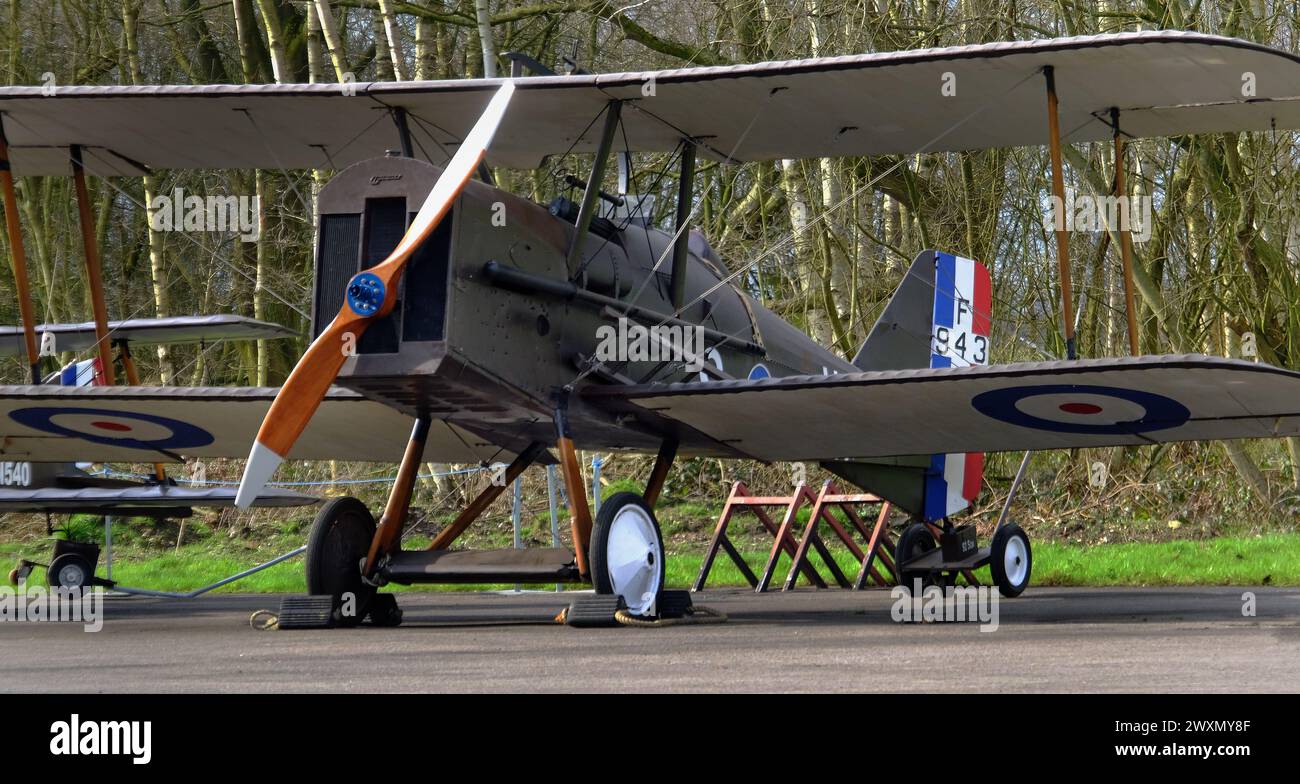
[1223, 260]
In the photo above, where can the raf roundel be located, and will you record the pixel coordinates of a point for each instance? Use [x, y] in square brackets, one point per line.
[1086, 410]
[114, 428]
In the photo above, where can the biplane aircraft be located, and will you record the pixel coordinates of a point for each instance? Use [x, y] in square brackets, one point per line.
[482, 333]
[65, 488]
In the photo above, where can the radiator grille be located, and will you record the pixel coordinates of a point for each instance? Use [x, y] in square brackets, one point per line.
[385, 225]
[426, 285]
[340, 238]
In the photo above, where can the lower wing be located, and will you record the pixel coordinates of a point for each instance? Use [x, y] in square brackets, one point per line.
[139, 499]
[1045, 405]
[148, 424]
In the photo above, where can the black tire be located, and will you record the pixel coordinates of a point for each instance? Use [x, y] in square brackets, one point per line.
[339, 539]
[916, 540]
[599, 558]
[1008, 553]
[69, 571]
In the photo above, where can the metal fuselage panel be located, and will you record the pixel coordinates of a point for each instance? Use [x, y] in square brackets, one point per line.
[460, 348]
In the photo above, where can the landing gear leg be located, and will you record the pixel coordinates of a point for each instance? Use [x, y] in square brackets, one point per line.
[663, 462]
[389, 533]
[574, 489]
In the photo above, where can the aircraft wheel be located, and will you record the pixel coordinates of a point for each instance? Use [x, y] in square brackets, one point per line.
[336, 547]
[1011, 560]
[69, 571]
[916, 540]
[627, 552]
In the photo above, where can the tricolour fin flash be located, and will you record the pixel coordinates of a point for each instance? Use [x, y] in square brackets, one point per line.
[959, 337]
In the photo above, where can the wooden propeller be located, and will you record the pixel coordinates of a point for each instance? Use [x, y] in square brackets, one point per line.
[371, 295]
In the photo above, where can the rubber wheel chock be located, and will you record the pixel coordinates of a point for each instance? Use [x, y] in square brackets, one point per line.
[594, 610]
[306, 612]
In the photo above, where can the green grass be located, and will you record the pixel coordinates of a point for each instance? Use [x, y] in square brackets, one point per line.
[1264, 560]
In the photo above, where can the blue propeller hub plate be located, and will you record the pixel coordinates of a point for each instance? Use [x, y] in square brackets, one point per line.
[365, 293]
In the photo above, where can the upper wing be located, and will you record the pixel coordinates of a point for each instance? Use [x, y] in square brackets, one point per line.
[1045, 405]
[146, 424]
[1164, 82]
[171, 330]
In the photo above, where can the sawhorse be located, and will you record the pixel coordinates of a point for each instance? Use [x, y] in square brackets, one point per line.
[879, 545]
[783, 540]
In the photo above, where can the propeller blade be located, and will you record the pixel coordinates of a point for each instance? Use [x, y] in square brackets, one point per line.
[371, 295]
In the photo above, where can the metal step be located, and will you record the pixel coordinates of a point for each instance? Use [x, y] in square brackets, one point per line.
[933, 562]
[534, 565]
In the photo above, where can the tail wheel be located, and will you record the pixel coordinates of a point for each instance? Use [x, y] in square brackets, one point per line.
[336, 548]
[915, 541]
[1011, 560]
[69, 571]
[627, 553]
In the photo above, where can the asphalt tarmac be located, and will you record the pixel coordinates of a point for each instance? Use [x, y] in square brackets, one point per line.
[1049, 639]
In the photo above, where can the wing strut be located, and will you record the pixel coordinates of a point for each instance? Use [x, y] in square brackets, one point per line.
[587, 210]
[1062, 234]
[18, 256]
[685, 183]
[1125, 236]
[94, 274]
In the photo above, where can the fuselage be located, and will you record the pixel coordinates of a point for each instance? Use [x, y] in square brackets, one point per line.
[463, 345]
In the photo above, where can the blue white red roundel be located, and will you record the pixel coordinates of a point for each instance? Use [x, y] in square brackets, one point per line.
[114, 428]
[1071, 408]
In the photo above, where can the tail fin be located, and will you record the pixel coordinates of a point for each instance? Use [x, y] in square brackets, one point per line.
[938, 317]
[900, 339]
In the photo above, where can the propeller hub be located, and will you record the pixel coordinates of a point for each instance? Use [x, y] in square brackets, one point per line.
[365, 293]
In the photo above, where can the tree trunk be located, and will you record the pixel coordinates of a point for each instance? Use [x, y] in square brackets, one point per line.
[275, 41]
[424, 67]
[157, 267]
[383, 61]
[393, 33]
[314, 53]
[484, 16]
[332, 40]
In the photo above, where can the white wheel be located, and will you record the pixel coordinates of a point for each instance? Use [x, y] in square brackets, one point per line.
[627, 553]
[1011, 560]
